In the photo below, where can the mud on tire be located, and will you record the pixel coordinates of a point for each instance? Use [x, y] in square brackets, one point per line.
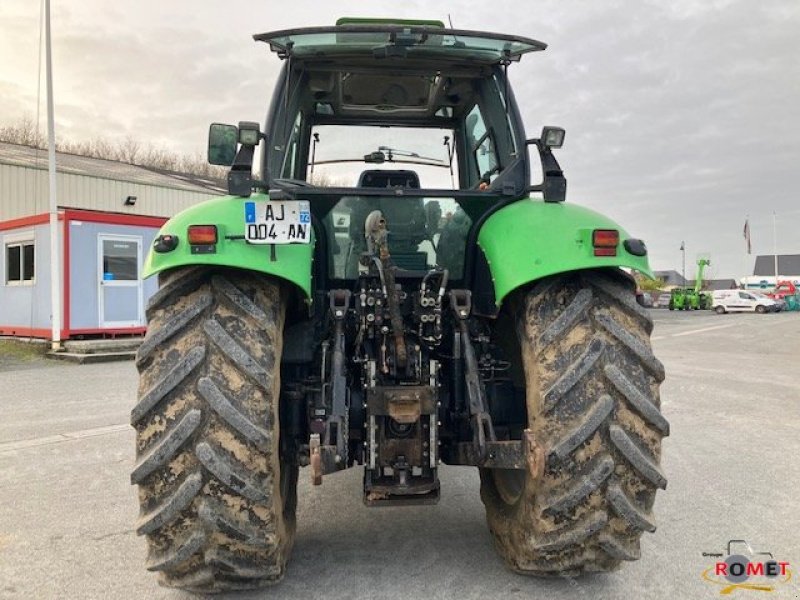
[592, 401]
[217, 506]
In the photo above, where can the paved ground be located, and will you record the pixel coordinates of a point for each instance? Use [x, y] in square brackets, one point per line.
[732, 395]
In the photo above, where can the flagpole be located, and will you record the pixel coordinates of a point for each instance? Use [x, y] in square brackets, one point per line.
[775, 246]
[742, 284]
[55, 271]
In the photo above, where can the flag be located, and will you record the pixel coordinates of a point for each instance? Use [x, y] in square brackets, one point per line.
[683, 246]
[747, 236]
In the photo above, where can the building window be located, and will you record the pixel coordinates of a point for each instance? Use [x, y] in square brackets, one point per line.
[120, 260]
[20, 257]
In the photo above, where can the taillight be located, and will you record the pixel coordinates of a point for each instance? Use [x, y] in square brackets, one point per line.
[202, 235]
[605, 242]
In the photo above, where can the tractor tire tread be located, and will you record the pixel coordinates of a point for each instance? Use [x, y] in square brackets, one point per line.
[593, 407]
[214, 508]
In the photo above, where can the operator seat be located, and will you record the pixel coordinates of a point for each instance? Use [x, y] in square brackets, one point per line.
[405, 217]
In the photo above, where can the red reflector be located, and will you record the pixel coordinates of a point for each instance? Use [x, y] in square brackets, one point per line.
[605, 251]
[605, 238]
[202, 234]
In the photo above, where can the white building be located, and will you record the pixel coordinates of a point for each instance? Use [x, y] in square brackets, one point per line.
[109, 213]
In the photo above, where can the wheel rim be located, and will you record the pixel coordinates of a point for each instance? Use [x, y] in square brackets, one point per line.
[509, 483]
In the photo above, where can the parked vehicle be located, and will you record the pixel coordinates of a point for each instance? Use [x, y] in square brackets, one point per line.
[661, 300]
[783, 289]
[679, 299]
[692, 298]
[765, 283]
[644, 299]
[395, 325]
[725, 301]
[701, 300]
[780, 303]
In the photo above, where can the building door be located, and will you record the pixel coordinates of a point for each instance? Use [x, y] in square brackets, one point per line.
[120, 284]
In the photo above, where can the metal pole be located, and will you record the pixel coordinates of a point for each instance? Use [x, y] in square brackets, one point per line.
[55, 255]
[683, 252]
[775, 246]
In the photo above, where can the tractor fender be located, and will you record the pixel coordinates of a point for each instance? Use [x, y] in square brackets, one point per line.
[531, 239]
[291, 262]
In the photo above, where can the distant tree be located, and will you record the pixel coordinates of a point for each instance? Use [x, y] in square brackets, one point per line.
[130, 150]
[326, 180]
[650, 285]
[23, 132]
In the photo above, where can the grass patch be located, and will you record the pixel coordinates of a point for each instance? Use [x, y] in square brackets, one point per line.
[13, 350]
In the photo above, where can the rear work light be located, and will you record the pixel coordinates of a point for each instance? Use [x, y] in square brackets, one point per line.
[605, 242]
[202, 235]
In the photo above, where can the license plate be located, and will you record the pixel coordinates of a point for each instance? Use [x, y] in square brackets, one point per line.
[277, 222]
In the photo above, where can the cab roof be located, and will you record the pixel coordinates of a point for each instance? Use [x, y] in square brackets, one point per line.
[411, 40]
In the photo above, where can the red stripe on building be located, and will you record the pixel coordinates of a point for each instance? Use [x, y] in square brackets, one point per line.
[36, 332]
[114, 218]
[42, 219]
[139, 330]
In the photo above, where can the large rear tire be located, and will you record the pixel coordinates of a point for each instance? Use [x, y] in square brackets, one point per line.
[217, 505]
[593, 407]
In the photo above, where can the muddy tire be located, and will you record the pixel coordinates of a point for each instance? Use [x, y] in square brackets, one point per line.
[592, 402]
[217, 505]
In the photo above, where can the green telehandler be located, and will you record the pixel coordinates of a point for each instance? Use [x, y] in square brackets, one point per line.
[429, 307]
[692, 298]
[678, 299]
[701, 300]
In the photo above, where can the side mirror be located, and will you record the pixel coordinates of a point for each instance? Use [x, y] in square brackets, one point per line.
[222, 144]
[554, 185]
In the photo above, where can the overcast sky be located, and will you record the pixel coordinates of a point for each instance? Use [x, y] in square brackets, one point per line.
[682, 116]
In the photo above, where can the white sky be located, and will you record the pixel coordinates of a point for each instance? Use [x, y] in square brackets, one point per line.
[682, 117]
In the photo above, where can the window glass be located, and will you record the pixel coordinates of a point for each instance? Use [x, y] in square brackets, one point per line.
[340, 151]
[120, 260]
[422, 42]
[481, 144]
[476, 126]
[294, 147]
[27, 262]
[423, 233]
[486, 158]
[14, 268]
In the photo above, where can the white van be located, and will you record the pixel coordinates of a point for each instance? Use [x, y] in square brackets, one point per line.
[742, 301]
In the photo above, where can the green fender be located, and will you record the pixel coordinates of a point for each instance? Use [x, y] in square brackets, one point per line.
[292, 262]
[531, 239]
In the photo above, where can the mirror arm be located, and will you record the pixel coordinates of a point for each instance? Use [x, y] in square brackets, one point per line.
[240, 177]
[554, 184]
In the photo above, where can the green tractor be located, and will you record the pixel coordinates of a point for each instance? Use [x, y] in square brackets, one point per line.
[421, 308]
[679, 299]
[692, 298]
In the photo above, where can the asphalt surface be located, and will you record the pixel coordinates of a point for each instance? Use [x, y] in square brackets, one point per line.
[732, 395]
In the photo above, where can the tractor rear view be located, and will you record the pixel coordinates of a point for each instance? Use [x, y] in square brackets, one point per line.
[419, 309]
